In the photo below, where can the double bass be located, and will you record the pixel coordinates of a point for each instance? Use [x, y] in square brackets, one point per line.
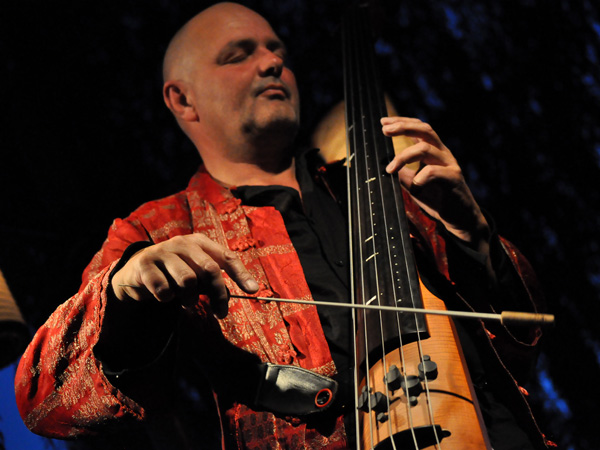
[412, 386]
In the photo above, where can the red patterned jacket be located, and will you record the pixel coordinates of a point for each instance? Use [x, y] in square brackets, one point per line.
[61, 388]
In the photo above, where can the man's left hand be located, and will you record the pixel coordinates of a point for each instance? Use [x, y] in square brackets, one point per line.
[438, 185]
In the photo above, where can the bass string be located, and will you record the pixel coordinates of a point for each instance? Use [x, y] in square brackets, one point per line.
[377, 109]
[362, 137]
[413, 280]
[371, 107]
[376, 99]
[354, 181]
[363, 254]
[406, 249]
[370, 184]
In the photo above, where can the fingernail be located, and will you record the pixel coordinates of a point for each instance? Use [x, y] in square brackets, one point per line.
[251, 285]
[390, 167]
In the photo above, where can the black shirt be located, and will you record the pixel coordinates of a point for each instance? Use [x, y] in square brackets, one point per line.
[317, 228]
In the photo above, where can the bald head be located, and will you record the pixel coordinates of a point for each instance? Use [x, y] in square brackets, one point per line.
[226, 82]
[196, 33]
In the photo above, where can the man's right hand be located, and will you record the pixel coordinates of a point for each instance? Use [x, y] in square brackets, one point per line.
[180, 269]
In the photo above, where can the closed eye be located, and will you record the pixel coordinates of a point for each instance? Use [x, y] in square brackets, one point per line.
[236, 51]
[235, 57]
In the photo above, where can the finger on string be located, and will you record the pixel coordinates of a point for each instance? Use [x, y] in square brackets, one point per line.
[407, 122]
[406, 176]
[434, 173]
[421, 152]
[417, 129]
[393, 119]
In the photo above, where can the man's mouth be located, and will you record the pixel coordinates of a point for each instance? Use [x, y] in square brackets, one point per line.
[273, 90]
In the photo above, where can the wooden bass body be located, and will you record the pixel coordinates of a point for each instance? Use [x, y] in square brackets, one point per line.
[441, 411]
[413, 390]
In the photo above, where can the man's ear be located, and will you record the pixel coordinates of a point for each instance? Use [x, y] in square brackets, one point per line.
[178, 101]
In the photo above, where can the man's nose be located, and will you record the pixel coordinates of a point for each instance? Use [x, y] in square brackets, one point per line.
[270, 64]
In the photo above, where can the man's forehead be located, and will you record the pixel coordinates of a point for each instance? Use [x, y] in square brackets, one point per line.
[226, 29]
[209, 32]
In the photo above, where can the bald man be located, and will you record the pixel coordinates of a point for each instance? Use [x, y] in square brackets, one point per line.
[154, 314]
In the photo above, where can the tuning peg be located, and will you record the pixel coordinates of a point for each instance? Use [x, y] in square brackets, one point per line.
[379, 402]
[427, 369]
[393, 378]
[363, 400]
[411, 385]
[372, 402]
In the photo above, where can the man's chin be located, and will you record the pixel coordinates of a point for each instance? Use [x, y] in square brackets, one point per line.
[275, 128]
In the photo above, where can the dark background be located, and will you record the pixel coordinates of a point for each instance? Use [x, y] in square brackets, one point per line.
[512, 88]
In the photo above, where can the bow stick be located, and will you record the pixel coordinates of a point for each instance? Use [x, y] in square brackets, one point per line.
[505, 317]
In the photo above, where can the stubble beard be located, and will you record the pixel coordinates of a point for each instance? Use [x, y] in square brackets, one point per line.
[272, 137]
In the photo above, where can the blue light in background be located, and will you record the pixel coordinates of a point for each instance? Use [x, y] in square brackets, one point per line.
[452, 21]
[383, 48]
[596, 28]
[431, 98]
[552, 400]
[487, 82]
[16, 435]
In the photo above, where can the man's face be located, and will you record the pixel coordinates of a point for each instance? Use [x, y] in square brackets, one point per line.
[239, 80]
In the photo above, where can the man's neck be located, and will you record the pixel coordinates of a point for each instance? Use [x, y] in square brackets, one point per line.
[230, 173]
[240, 161]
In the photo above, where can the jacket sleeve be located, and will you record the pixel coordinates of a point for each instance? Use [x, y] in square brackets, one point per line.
[517, 289]
[60, 386]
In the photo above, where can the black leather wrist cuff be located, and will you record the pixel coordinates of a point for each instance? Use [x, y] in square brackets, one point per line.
[294, 391]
